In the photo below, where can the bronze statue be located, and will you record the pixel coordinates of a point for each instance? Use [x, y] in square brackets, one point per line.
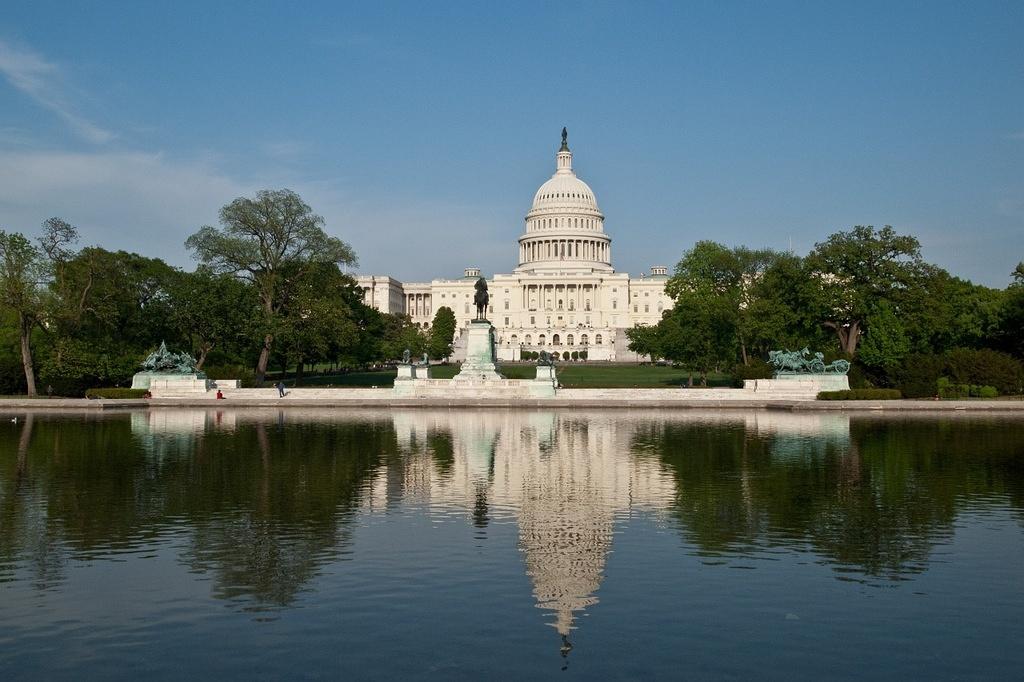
[545, 359]
[481, 299]
[162, 361]
[802, 362]
[565, 140]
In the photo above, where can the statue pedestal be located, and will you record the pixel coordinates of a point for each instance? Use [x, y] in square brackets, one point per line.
[545, 383]
[480, 363]
[797, 386]
[174, 383]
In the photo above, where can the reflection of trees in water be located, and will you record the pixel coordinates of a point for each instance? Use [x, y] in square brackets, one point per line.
[265, 506]
[878, 504]
[265, 530]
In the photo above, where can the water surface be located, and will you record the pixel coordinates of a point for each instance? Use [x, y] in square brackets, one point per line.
[510, 544]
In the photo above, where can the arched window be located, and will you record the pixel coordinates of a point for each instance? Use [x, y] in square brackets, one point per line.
[572, 304]
[514, 340]
[555, 341]
[529, 340]
[597, 340]
[559, 304]
[540, 340]
[568, 340]
[588, 305]
[583, 339]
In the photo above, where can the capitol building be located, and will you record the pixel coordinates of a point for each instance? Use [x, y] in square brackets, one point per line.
[563, 296]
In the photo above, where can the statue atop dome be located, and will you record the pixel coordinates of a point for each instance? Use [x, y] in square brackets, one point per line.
[565, 140]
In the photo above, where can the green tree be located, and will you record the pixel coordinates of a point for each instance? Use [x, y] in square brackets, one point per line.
[442, 333]
[21, 278]
[1010, 328]
[885, 344]
[643, 340]
[211, 311]
[698, 334]
[850, 272]
[730, 276]
[271, 241]
[316, 323]
[397, 333]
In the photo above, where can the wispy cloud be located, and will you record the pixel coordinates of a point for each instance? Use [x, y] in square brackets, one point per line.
[42, 80]
[1019, 135]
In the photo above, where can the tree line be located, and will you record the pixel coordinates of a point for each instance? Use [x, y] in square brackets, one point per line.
[269, 292]
[865, 294]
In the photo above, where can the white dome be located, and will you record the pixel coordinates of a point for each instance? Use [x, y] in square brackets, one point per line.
[565, 191]
[564, 228]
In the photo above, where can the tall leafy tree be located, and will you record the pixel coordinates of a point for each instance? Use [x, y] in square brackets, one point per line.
[272, 241]
[211, 311]
[730, 277]
[852, 271]
[21, 278]
[442, 333]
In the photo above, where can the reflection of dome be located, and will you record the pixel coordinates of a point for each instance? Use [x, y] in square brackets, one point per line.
[565, 227]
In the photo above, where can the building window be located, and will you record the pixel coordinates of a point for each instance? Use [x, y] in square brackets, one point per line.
[636, 308]
[568, 340]
[615, 304]
[647, 308]
[529, 340]
[572, 305]
[587, 307]
[555, 340]
[506, 304]
[467, 309]
[540, 340]
[559, 304]
[597, 340]
[515, 339]
[583, 340]
[506, 321]
[533, 320]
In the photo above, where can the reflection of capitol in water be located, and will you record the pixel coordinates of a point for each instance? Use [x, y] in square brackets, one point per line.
[566, 476]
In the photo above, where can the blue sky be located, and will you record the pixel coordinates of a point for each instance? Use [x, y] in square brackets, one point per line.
[420, 131]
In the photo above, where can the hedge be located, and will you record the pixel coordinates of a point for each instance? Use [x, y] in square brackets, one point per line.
[116, 393]
[862, 394]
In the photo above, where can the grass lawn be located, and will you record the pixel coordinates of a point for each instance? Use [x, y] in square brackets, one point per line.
[570, 375]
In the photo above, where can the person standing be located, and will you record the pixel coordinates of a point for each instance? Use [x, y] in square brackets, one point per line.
[280, 389]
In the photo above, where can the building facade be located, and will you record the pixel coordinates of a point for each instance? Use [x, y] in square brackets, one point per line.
[563, 296]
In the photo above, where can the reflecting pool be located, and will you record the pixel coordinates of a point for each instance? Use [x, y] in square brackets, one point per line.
[494, 544]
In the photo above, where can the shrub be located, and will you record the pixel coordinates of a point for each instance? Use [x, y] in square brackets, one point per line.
[862, 394]
[583, 355]
[116, 393]
[757, 369]
[953, 391]
[575, 355]
[565, 355]
[919, 374]
[988, 392]
[984, 367]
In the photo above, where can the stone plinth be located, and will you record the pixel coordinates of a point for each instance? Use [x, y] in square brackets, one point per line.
[480, 363]
[798, 384]
[545, 383]
[170, 383]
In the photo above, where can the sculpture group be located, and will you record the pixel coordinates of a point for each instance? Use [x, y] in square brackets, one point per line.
[162, 361]
[803, 362]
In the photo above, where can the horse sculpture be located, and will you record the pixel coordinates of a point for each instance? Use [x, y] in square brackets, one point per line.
[481, 299]
[802, 362]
